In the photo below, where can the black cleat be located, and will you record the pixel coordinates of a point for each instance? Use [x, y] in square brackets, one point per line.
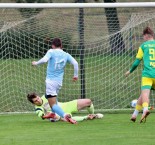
[144, 116]
[133, 119]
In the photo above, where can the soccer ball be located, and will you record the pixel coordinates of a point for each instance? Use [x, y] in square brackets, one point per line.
[133, 103]
[99, 115]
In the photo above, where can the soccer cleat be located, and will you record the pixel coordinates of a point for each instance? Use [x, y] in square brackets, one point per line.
[151, 108]
[69, 119]
[95, 116]
[133, 119]
[91, 116]
[144, 116]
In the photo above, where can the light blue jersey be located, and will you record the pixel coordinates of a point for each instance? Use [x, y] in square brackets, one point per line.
[57, 60]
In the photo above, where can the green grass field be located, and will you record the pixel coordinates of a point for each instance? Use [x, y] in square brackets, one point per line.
[113, 129]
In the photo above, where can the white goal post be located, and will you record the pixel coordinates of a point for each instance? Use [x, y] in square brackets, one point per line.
[78, 5]
[103, 37]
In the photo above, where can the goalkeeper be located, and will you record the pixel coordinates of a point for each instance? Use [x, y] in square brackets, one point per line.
[43, 109]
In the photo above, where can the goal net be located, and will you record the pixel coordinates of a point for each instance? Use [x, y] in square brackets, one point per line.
[104, 41]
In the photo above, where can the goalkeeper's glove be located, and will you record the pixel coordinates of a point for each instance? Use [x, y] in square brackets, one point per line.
[49, 115]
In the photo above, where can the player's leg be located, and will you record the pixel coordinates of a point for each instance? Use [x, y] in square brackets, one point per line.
[88, 117]
[80, 118]
[85, 103]
[138, 108]
[74, 106]
[53, 104]
[52, 89]
[57, 109]
[145, 103]
[145, 93]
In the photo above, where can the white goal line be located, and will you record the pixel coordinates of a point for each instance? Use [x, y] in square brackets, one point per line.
[77, 5]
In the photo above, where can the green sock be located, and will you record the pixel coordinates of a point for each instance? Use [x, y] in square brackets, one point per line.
[79, 118]
[91, 109]
[150, 108]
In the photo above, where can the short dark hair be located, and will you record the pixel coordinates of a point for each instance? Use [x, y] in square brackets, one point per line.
[148, 31]
[31, 96]
[57, 42]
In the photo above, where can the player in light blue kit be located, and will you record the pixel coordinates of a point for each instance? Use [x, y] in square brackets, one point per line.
[57, 60]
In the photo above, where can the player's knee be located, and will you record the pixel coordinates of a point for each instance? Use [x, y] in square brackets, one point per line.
[88, 102]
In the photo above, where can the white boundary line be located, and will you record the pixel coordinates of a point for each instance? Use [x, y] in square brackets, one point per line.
[82, 111]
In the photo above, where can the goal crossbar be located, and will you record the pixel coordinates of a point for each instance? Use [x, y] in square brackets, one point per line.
[76, 5]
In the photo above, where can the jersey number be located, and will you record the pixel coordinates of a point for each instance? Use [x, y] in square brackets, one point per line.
[152, 54]
[59, 64]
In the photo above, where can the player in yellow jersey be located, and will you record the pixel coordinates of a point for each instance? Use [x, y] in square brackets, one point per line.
[146, 52]
[43, 109]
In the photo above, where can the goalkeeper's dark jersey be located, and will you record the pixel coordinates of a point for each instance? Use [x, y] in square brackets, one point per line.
[147, 53]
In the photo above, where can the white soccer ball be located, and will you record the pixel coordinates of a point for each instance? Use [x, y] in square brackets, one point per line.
[133, 103]
[99, 116]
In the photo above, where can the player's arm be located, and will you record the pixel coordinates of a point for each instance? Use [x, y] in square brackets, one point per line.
[40, 113]
[49, 115]
[135, 64]
[76, 68]
[44, 59]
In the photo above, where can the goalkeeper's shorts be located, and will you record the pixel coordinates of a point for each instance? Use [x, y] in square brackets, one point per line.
[69, 107]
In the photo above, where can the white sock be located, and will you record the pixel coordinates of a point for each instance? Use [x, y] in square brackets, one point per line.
[135, 113]
[144, 109]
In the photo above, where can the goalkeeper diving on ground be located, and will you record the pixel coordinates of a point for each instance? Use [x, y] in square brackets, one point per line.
[43, 109]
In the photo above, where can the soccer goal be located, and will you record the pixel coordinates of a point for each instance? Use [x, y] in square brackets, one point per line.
[103, 37]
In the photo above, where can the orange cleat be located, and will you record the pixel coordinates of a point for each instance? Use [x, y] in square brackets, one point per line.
[151, 108]
[69, 119]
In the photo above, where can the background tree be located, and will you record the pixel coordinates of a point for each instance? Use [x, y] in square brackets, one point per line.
[116, 39]
[31, 10]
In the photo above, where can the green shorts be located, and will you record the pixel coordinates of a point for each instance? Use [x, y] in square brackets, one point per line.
[69, 107]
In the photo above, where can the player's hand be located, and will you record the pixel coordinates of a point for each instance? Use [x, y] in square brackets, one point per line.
[34, 63]
[127, 73]
[49, 115]
[75, 79]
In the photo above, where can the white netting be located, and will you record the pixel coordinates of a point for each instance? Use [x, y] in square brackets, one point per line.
[109, 50]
